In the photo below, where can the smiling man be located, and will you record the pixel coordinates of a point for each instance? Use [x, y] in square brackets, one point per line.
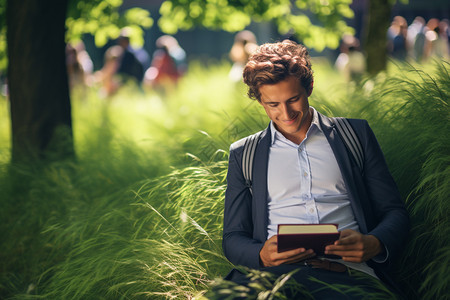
[304, 174]
[286, 104]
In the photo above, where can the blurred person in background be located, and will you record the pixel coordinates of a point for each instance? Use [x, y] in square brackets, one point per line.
[244, 45]
[351, 62]
[106, 76]
[140, 54]
[129, 65]
[75, 71]
[85, 60]
[416, 38]
[168, 64]
[4, 85]
[436, 39]
[121, 64]
[397, 34]
[79, 65]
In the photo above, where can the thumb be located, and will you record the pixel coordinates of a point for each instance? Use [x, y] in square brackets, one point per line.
[345, 237]
[346, 232]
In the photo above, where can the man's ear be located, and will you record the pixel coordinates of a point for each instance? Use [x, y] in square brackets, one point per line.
[311, 88]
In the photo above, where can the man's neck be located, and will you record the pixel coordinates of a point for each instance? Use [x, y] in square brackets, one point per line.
[300, 135]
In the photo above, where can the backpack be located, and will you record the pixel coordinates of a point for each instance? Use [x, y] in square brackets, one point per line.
[344, 129]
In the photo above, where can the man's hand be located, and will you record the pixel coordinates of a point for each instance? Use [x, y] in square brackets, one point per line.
[270, 257]
[353, 246]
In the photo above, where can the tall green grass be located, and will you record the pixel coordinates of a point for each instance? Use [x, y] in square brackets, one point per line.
[409, 112]
[71, 230]
[139, 215]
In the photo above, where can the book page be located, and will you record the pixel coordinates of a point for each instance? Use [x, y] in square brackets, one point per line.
[307, 228]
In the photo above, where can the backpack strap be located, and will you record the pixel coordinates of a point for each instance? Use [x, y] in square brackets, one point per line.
[248, 156]
[351, 141]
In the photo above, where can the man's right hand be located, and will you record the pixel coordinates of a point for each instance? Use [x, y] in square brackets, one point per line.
[270, 257]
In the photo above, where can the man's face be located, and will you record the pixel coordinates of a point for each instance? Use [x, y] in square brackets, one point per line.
[286, 104]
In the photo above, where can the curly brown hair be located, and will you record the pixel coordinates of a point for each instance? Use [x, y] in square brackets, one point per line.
[273, 62]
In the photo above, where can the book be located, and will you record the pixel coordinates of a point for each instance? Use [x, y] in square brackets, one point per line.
[308, 236]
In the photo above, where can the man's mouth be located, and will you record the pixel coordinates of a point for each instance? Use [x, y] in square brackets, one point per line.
[290, 121]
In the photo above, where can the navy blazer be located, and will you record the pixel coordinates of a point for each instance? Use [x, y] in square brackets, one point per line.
[374, 198]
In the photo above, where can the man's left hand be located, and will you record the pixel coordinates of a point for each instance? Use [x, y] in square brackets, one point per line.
[353, 246]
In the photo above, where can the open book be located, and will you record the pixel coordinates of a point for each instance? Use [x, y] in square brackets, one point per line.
[308, 236]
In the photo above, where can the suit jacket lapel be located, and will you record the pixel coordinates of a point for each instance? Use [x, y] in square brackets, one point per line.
[346, 167]
[259, 203]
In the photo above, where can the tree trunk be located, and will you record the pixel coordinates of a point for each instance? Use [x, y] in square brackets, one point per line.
[39, 92]
[376, 37]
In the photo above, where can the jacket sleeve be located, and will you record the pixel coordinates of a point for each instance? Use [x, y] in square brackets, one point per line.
[238, 243]
[391, 224]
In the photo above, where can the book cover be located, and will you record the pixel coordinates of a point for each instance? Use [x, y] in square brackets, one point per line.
[308, 236]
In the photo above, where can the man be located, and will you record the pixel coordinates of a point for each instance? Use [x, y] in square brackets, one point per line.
[303, 173]
[132, 62]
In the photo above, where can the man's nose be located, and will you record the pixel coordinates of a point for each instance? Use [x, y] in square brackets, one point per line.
[286, 112]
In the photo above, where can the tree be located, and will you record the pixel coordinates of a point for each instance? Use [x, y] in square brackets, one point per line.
[375, 39]
[39, 93]
[37, 76]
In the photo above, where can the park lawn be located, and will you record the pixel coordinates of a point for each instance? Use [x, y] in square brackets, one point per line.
[139, 214]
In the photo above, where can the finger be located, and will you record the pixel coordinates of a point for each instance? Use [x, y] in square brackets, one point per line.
[294, 254]
[270, 256]
[358, 254]
[348, 247]
[272, 247]
[353, 259]
[349, 235]
[273, 239]
[290, 255]
[348, 240]
[302, 256]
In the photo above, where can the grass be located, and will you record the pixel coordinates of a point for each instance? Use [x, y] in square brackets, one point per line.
[139, 215]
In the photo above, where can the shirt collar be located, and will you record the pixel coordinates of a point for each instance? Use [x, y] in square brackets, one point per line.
[315, 125]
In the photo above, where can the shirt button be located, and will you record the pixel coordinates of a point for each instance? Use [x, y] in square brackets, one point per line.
[305, 174]
[311, 210]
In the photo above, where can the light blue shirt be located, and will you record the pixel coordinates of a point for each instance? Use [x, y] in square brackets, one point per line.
[305, 184]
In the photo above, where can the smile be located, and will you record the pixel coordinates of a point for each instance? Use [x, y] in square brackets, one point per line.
[290, 122]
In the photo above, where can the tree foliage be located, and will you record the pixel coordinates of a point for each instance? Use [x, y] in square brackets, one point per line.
[102, 19]
[318, 23]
